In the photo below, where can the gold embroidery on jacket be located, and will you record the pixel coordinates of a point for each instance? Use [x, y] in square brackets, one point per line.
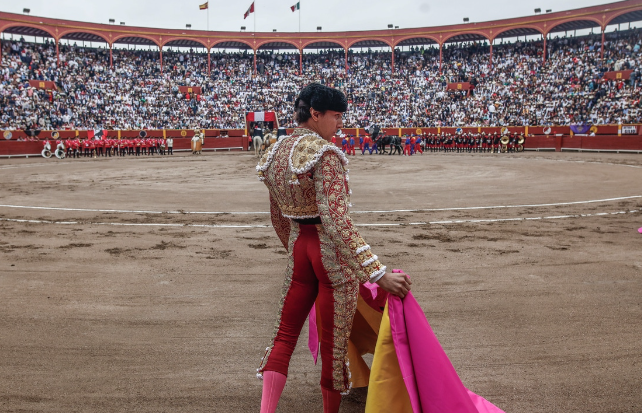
[345, 296]
[332, 200]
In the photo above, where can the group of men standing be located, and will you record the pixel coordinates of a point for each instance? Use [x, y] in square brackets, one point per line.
[412, 144]
[76, 148]
[409, 145]
[475, 142]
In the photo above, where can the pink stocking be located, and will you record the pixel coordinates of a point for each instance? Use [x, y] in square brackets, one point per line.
[331, 401]
[273, 384]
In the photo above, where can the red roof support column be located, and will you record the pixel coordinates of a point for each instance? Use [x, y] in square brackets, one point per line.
[57, 53]
[209, 62]
[111, 57]
[255, 62]
[347, 67]
[161, 59]
[300, 62]
[393, 60]
[491, 54]
[544, 53]
[602, 51]
[440, 57]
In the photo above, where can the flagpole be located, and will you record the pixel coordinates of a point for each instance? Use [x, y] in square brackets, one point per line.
[299, 16]
[254, 13]
[208, 17]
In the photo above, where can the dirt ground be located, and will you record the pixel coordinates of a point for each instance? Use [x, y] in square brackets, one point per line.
[124, 298]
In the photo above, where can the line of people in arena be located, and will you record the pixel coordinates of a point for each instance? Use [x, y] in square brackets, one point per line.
[517, 88]
[409, 145]
[76, 148]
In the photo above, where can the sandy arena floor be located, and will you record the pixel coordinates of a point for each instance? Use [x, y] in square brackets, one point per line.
[117, 296]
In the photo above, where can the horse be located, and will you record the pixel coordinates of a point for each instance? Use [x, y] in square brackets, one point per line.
[393, 141]
[257, 142]
[269, 139]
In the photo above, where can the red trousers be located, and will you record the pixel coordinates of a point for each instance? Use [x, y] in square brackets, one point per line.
[309, 280]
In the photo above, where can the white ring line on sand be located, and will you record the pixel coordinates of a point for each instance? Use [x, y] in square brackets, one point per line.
[464, 221]
[353, 212]
[598, 163]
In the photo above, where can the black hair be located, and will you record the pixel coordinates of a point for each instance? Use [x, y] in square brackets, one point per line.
[318, 97]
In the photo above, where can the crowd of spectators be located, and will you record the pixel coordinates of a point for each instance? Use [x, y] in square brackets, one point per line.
[517, 88]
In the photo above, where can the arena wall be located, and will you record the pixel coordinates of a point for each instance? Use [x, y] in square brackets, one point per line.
[607, 138]
[558, 142]
[34, 148]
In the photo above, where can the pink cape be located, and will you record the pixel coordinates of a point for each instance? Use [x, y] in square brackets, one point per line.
[432, 382]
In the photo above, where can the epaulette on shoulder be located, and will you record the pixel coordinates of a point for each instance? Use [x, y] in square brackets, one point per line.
[307, 151]
[266, 159]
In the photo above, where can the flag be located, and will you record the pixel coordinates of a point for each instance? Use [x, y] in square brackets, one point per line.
[97, 134]
[296, 7]
[204, 6]
[249, 11]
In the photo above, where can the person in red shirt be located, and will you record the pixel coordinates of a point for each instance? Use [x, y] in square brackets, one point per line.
[92, 146]
[334, 140]
[143, 146]
[100, 147]
[138, 144]
[413, 144]
[77, 147]
[70, 149]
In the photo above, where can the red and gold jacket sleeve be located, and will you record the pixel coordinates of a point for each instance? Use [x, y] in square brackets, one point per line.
[332, 196]
[280, 223]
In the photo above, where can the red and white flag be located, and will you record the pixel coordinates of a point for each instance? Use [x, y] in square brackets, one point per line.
[249, 11]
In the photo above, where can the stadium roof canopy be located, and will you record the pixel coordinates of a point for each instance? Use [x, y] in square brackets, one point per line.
[84, 36]
[184, 43]
[632, 16]
[27, 31]
[518, 32]
[324, 45]
[540, 24]
[574, 25]
[277, 46]
[417, 41]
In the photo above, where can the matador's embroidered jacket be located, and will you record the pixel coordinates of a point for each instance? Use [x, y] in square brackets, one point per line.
[307, 178]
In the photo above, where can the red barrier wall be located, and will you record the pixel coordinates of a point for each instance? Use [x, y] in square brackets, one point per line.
[603, 142]
[20, 148]
[566, 142]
